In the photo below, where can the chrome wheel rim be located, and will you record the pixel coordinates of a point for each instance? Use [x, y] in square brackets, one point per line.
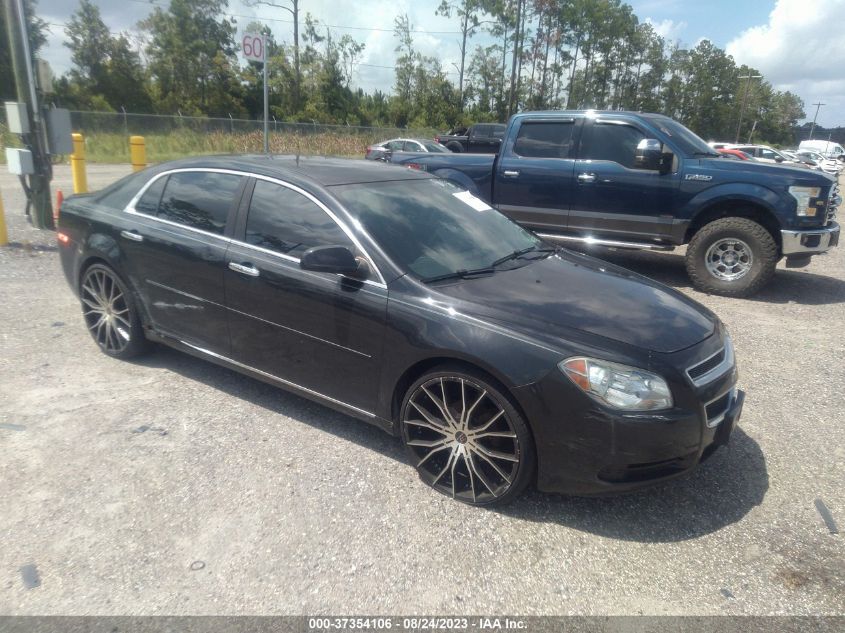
[462, 440]
[729, 259]
[105, 310]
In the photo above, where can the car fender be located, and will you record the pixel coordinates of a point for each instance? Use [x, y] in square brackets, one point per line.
[460, 179]
[736, 192]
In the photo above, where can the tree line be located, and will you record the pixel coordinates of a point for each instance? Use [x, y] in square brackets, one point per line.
[513, 55]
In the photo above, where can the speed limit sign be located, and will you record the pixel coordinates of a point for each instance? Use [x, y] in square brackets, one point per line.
[252, 46]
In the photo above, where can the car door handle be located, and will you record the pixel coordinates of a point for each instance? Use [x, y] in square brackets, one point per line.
[132, 235]
[586, 177]
[510, 173]
[245, 269]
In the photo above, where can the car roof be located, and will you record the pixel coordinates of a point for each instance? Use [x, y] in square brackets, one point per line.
[302, 170]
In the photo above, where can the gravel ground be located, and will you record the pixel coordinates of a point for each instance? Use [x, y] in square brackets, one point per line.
[172, 486]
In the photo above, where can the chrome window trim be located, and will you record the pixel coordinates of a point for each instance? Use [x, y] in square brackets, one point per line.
[719, 370]
[130, 208]
[280, 380]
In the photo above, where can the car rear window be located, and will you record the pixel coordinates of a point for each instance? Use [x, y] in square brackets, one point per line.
[285, 221]
[544, 139]
[199, 199]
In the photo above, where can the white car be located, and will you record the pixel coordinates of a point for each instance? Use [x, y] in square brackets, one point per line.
[828, 149]
[827, 165]
[768, 154]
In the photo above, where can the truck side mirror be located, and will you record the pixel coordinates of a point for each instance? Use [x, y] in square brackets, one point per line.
[650, 156]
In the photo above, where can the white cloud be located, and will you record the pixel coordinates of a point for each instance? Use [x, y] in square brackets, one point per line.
[669, 30]
[801, 49]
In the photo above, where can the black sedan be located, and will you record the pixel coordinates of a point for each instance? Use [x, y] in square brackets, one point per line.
[403, 300]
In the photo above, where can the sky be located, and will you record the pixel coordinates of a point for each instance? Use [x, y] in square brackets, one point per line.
[797, 44]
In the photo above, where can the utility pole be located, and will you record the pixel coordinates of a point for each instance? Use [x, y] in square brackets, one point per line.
[748, 79]
[38, 189]
[813, 127]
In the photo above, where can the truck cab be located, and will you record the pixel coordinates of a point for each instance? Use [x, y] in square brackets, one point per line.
[635, 180]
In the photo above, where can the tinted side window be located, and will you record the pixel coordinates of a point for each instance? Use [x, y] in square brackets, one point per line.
[148, 203]
[283, 220]
[396, 146]
[481, 130]
[614, 142]
[199, 199]
[548, 139]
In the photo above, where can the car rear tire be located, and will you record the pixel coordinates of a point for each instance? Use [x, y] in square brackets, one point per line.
[110, 313]
[466, 438]
[732, 257]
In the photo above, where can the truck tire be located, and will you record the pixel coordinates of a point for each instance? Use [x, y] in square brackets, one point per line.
[455, 147]
[732, 257]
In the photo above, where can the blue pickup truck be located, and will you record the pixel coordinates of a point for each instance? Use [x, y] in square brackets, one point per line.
[634, 180]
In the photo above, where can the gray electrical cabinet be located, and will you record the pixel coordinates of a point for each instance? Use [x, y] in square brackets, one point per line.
[59, 131]
[17, 118]
[19, 161]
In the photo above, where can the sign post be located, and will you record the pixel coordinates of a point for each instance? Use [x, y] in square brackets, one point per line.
[254, 47]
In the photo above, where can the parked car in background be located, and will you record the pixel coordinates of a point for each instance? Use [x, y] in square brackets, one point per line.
[381, 151]
[735, 154]
[828, 149]
[766, 154]
[405, 301]
[481, 138]
[635, 180]
[828, 165]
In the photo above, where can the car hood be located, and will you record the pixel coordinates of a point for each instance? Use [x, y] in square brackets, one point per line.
[788, 174]
[569, 291]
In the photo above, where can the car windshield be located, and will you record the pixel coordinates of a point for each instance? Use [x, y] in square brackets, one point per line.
[686, 140]
[431, 227]
[431, 146]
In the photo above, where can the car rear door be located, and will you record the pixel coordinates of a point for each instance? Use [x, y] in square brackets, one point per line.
[611, 197]
[176, 252]
[318, 331]
[533, 183]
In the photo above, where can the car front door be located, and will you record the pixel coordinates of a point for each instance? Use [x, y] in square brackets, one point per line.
[320, 331]
[613, 197]
[176, 252]
[534, 176]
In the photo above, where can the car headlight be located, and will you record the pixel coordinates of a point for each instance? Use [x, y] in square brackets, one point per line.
[618, 386]
[806, 197]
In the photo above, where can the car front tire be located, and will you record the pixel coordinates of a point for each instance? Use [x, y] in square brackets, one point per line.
[732, 257]
[466, 438]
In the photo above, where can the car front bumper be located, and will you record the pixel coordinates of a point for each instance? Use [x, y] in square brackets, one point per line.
[810, 241]
[588, 449]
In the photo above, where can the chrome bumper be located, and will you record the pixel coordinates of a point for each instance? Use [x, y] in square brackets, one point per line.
[810, 241]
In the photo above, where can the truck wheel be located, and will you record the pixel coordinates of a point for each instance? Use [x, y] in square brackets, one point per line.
[455, 147]
[732, 257]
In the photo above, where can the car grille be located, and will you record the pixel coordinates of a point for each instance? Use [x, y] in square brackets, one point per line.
[712, 367]
[833, 201]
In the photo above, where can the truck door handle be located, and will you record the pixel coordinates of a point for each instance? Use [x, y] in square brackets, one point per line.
[586, 177]
[132, 235]
[510, 173]
[245, 269]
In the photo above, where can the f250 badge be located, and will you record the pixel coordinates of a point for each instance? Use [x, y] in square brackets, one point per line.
[698, 177]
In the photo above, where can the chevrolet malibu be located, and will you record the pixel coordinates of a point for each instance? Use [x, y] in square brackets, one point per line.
[403, 300]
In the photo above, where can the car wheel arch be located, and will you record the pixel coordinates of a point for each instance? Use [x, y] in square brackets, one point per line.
[420, 367]
[739, 209]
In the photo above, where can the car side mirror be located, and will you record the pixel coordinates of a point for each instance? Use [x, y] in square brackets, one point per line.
[778, 159]
[329, 259]
[650, 155]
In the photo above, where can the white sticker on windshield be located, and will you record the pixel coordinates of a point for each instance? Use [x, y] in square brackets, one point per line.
[476, 203]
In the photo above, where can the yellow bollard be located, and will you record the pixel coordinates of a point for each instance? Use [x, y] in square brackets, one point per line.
[77, 164]
[4, 235]
[137, 152]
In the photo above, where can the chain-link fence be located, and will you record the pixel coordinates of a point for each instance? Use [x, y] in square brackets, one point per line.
[172, 136]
